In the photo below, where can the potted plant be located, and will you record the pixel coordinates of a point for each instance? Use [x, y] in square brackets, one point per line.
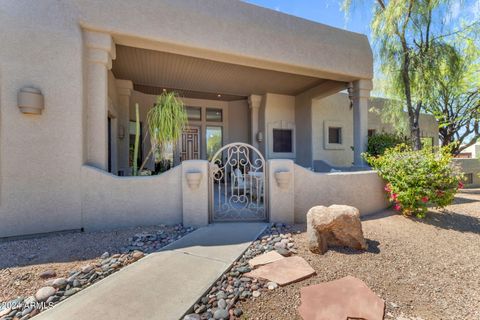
[166, 121]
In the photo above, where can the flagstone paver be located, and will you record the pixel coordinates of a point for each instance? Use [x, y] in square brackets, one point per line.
[345, 298]
[265, 258]
[284, 271]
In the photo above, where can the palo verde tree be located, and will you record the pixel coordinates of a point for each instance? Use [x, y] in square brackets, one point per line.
[409, 36]
[454, 98]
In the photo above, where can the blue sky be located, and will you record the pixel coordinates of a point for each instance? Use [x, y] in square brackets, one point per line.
[323, 11]
[329, 12]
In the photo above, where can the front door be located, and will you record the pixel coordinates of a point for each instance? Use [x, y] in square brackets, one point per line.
[190, 144]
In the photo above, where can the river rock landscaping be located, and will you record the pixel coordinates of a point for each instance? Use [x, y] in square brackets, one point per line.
[221, 300]
[31, 287]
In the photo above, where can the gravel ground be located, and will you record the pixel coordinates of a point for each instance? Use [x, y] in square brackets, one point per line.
[424, 269]
[22, 261]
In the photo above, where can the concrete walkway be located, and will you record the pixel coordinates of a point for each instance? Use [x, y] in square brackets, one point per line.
[163, 285]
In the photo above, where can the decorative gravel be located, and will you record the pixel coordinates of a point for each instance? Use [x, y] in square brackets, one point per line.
[423, 269]
[222, 299]
[38, 273]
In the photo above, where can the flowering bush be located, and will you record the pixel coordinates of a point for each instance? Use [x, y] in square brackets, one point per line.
[417, 179]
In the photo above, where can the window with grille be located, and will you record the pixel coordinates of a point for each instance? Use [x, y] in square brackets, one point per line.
[335, 135]
[283, 140]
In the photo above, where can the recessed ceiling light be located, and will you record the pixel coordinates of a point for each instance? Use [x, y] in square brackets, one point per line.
[219, 95]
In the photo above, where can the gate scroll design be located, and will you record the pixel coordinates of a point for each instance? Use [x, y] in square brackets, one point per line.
[238, 184]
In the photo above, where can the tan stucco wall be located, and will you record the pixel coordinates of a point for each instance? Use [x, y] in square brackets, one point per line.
[40, 156]
[111, 202]
[279, 114]
[335, 110]
[303, 114]
[238, 121]
[303, 117]
[363, 190]
[470, 166]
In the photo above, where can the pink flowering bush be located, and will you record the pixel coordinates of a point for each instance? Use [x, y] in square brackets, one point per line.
[417, 180]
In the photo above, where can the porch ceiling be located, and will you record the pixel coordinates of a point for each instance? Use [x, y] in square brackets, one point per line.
[152, 71]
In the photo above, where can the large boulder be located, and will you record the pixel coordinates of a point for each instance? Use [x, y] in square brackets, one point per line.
[337, 225]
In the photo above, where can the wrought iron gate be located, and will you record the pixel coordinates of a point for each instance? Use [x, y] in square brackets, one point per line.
[238, 184]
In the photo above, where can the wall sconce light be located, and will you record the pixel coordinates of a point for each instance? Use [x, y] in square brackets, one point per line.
[350, 94]
[259, 136]
[30, 100]
[121, 132]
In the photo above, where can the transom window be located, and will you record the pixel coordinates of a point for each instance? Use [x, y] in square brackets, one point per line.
[335, 135]
[194, 113]
[283, 140]
[214, 115]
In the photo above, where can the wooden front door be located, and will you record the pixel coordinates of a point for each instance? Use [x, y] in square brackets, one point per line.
[190, 145]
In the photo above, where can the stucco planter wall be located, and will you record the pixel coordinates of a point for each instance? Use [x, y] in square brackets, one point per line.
[360, 189]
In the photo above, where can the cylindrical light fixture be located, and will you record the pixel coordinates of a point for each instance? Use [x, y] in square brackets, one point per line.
[30, 100]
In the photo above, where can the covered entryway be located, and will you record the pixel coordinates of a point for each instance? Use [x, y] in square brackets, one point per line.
[237, 184]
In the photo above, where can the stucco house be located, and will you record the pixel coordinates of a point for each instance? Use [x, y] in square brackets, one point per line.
[71, 73]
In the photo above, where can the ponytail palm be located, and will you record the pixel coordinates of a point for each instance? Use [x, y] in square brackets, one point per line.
[166, 121]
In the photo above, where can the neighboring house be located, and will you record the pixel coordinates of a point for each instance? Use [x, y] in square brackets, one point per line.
[470, 152]
[469, 162]
[71, 73]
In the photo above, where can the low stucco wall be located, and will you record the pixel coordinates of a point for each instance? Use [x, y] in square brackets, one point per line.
[110, 202]
[363, 190]
[470, 166]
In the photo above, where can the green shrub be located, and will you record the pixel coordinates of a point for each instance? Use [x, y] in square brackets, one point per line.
[418, 179]
[379, 142]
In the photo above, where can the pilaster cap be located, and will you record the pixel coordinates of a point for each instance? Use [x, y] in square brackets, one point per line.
[124, 87]
[362, 88]
[100, 47]
[254, 101]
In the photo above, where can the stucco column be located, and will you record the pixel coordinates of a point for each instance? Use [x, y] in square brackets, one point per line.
[99, 51]
[281, 191]
[254, 102]
[124, 91]
[195, 192]
[361, 95]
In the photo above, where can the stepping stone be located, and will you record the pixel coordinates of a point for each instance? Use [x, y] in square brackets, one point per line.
[265, 258]
[284, 271]
[345, 298]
